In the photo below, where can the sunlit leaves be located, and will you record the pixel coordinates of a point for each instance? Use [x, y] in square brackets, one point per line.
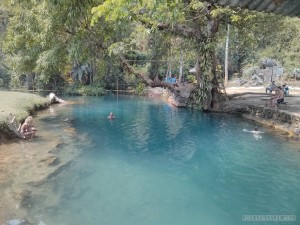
[196, 4]
[113, 10]
[117, 48]
[150, 11]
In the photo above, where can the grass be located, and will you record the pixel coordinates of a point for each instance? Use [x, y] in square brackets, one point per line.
[19, 104]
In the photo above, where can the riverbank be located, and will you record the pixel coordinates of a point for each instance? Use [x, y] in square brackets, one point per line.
[250, 103]
[26, 165]
[20, 105]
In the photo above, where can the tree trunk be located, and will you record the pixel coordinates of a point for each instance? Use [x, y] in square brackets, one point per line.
[181, 67]
[226, 55]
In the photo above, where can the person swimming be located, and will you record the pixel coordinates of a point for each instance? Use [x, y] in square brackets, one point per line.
[256, 133]
[111, 116]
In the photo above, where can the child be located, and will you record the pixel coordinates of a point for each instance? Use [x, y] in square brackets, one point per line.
[27, 129]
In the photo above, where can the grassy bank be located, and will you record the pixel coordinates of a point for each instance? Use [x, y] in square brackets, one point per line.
[20, 105]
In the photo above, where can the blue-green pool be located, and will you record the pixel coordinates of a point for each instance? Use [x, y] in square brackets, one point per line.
[159, 165]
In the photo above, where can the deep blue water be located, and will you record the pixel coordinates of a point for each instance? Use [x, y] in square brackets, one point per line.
[159, 165]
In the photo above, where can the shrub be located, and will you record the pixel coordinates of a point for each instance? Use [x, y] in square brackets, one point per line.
[140, 88]
[86, 90]
[191, 78]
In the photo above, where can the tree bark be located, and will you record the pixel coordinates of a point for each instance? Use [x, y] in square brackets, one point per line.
[152, 83]
[226, 55]
[180, 68]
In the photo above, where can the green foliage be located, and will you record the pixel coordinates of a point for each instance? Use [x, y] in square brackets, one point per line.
[91, 90]
[191, 78]
[85, 90]
[4, 77]
[45, 38]
[149, 11]
[284, 46]
[131, 79]
[195, 4]
[255, 36]
[140, 88]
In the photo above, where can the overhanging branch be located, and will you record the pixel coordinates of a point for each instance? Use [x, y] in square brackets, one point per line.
[152, 83]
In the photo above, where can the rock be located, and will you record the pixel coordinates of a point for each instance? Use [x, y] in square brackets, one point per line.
[50, 160]
[258, 80]
[23, 197]
[54, 99]
[181, 95]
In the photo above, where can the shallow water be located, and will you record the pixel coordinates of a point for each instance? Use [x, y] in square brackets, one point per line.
[159, 165]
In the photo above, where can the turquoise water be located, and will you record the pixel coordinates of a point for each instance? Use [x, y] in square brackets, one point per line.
[159, 165]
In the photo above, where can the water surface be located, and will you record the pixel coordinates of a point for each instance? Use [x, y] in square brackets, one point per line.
[159, 165]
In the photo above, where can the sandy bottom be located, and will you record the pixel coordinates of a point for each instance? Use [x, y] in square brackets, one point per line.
[26, 165]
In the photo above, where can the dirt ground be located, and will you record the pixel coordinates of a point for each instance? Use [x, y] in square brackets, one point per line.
[257, 96]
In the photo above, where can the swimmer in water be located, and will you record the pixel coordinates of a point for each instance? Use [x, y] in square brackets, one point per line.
[111, 116]
[256, 133]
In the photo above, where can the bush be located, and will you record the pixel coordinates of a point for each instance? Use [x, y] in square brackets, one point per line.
[191, 78]
[86, 90]
[91, 90]
[140, 88]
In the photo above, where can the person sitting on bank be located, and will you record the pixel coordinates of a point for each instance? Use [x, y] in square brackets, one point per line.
[27, 129]
[111, 116]
[278, 97]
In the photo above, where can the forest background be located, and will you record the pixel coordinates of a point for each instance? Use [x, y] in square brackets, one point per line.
[86, 46]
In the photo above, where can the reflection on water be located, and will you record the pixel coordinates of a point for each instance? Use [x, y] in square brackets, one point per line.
[155, 164]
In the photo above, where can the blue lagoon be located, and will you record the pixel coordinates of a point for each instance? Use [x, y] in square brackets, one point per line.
[159, 165]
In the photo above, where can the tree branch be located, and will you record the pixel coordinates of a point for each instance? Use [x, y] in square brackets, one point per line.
[182, 29]
[152, 83]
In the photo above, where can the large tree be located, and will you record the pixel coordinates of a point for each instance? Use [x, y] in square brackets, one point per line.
[4, 17]
[45, 38]
[193, 20]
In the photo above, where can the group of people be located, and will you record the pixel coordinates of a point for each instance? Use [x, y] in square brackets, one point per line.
[272, 88]
[171, 79]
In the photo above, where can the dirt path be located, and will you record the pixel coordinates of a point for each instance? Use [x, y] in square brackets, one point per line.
[250, 102]
[256, 96]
